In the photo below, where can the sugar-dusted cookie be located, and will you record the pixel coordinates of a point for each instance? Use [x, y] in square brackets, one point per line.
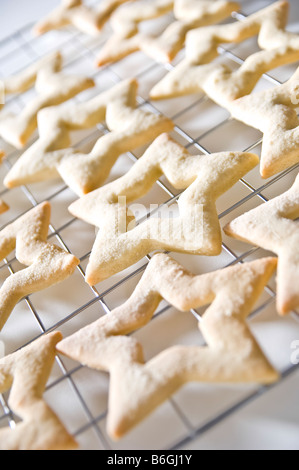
[273, 227]
[189, 14]
[232, 354]
[53, 87]
[197, 73]
[47, 263]
[3, 206]
[120, 244]
[73, 12]
[50, 156]
[26, 372]
[274, 113]
[125, 22]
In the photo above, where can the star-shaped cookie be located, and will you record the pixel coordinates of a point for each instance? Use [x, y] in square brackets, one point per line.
[3, 206]
[74, 13]
[47, 263]
[51, 156]
[273, 112]
[232, 354]
[53, 87]
[26, 372]
[273, 227]
[197, 73]
[119, 243]
[189, 14]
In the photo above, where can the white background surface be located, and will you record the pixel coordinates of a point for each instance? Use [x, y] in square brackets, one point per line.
[15, 14]
[270, 422]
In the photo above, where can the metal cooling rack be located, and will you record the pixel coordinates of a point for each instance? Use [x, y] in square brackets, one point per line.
[77, 394]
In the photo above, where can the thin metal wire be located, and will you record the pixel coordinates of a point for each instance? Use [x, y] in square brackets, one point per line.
[27, 44]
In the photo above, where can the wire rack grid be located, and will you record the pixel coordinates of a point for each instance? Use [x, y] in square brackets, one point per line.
[194, 415]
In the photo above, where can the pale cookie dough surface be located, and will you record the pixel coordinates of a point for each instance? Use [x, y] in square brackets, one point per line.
[26, 372]
[274, 113]
[74, 13]
[47, 263]
[232, 354]
[130, 127]
[120, 244]
[53, 87]
[198, 73]
[273, 227]
[189, 14]
[3, 206]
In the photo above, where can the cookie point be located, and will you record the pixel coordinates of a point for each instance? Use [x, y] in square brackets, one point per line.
[284, 308]
[265, 173]
[89, 279]
[45, 205]
[57, 335]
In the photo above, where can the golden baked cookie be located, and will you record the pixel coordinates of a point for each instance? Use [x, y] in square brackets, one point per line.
[189, 14]
[47, 263]
[83, 18]
[273, 226]
[52, 156]
[198, 73]
[195, 230]
[26, 372]
[53, 87]
[232, 354]
[274, 113]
